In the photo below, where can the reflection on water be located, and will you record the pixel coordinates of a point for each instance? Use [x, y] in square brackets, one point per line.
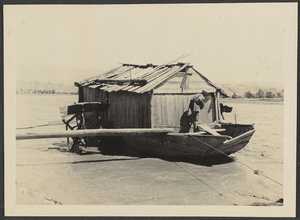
[94, 178]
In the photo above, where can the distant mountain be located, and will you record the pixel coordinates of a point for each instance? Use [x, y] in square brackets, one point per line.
[241, 88]
[50, 87]
[45, 88]
[56, 79]
[50, 78]
[54, 74]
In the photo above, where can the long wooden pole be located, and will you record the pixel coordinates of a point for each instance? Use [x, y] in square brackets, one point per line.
[218, 104]
[93, 132]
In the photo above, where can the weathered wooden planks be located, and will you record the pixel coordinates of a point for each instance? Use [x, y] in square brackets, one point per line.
[168, 109]
[160, 80]
[129, 110]
[208, 129]
[93, 132]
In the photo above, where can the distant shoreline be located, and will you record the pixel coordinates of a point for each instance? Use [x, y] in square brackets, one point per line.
[222, 99]
[57, 93]
[253, 99]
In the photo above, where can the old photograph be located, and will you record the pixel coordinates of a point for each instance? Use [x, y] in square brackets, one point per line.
[150, 109]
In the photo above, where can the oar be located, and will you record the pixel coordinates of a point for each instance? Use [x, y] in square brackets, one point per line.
[208, 129]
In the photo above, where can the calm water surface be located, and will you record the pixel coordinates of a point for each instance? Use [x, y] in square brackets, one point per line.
[68, 178]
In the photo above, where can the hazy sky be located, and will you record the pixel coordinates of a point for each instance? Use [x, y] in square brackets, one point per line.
[228, 42]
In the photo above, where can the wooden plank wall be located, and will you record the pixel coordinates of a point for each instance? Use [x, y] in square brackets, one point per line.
[95, 95]
[168, 110]
[80, 94]
[129, 110]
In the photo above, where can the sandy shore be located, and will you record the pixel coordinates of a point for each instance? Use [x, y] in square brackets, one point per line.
[48, 174]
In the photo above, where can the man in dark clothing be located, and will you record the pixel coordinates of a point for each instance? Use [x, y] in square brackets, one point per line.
[196, 104]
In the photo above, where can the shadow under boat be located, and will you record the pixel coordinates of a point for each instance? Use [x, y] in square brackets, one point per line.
[196, 161]
[195, 148]
[203, 148]
[119, 149]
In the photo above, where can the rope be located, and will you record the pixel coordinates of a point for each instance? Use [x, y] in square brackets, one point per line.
[220, 194]
[257, 172]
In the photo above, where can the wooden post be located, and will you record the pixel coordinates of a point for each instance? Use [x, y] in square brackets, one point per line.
[218, 105]
[94, 132]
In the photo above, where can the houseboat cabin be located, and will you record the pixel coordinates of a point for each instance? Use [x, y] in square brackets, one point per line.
[151, 96]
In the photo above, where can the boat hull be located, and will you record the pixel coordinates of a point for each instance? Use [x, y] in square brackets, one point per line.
[232, 145]
[174, 145]
[183, 145]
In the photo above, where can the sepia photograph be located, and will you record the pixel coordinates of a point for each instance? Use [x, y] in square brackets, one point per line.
[150, 109]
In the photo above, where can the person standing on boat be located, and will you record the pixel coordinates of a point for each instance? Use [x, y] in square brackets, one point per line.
[196, 104]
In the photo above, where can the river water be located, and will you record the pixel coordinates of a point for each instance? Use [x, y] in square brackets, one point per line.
[46, 173]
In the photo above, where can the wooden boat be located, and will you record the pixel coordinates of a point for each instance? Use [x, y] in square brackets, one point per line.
[145, 108]
[157, 97]
[185, 145]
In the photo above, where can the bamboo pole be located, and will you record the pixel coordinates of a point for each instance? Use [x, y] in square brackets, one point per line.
[218, 104]
[93, 132]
